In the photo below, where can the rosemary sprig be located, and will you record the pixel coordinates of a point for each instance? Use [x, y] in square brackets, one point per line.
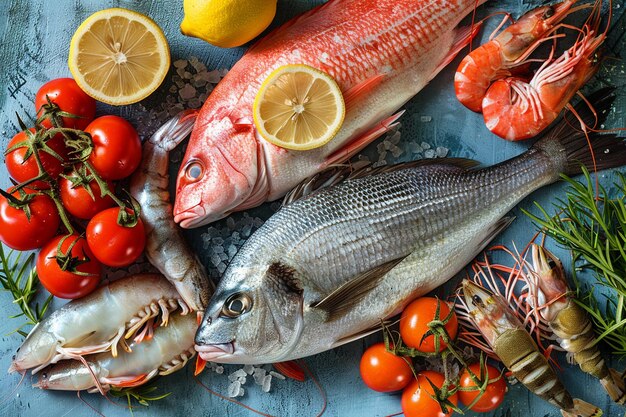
[142, 394]
[21, 280]
[593, 227]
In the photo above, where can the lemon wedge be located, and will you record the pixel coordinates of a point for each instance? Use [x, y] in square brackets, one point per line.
[119, 56]
[298, 107]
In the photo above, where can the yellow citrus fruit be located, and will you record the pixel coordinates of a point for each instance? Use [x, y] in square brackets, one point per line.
[298, 107]
[227, 23]
[119, 56]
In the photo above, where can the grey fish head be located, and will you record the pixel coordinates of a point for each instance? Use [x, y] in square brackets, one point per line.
[254, 317]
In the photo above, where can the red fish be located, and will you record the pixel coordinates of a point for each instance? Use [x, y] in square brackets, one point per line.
[380, 52]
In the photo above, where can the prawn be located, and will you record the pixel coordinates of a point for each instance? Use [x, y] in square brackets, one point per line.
[509, 50]
[168, 351]
[166, 248]
[131, 306]
[516, 109]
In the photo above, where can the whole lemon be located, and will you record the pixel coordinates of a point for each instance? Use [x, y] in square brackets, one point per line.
[227, 23]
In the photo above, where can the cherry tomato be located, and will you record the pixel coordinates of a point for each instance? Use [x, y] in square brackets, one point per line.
[112, 244]
[20, 233]
[417, 400]
[23, 170]
[77, 200]
[65, 93]
[493, 395]
[383, 371]
[66, 283]
[414, 323]
[117, 148]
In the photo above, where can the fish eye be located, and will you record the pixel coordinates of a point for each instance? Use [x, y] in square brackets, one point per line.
[194, 170]
[236, 305]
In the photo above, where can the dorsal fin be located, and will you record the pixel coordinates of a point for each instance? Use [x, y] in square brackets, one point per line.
[339, 173]
[350, 293]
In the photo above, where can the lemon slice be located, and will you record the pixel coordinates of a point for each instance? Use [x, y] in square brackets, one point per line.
[118, 56]
[298, 107]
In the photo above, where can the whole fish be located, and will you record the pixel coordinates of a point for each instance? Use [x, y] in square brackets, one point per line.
[518, 351]
[166, 248]
[380, 52]
[570, 322]
[327, 267]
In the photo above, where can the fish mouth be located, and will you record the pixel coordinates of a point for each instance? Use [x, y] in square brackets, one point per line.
[191, 217]
[213, 352]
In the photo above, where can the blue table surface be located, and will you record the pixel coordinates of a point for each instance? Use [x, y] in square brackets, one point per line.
[35, 40]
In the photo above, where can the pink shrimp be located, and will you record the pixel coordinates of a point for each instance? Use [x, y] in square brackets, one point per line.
[516, 109]
[509, 50]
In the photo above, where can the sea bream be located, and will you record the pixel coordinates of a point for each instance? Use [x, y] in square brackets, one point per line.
[332, 263]
[380, 52]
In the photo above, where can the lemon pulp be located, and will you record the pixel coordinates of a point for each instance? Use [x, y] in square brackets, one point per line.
[298, 107]
[119, 56]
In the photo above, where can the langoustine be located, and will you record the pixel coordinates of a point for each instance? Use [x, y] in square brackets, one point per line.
[551, 298]
[380, 52]
[166, 248]
[100, 322]
[517, 350]
[166, 352]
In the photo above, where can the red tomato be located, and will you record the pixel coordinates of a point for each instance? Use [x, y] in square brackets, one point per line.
[65, 283]
[414, 323]
[66, 94]
[20, 233]
[493, 395]
[417, 400]
[23, 170]
[117, 148]
[383, 371]
[77, 200]
[112, 244]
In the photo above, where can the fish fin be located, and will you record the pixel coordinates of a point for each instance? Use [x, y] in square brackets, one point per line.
[582, 409]
[290, 369]
[352, 148]
[495, 230]
[609, 150]
[336, 174]
[352, 95]
[463, 37]
[614, 386]
[361, 334]
[127, 381]
[347, 295]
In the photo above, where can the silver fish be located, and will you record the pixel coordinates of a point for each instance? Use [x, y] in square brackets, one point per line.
[333, 263]
[166, 248]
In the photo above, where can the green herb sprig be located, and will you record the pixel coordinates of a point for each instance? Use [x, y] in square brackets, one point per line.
[20, 278]
[593, 226]
[142, 394]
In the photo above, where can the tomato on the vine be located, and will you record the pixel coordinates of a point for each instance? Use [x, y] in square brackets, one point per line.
[415, 319]
[22, 168]
[71, 273]
[493, 395]
[68, 96]
[117, 148]
[113, 244]
[77, 200]
[383, 371]
[19, 232]
[417, 398]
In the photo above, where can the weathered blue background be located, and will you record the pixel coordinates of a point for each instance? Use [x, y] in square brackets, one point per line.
[35, 38]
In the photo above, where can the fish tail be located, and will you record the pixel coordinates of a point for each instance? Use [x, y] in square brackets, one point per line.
[569, 145]
[582, 409]
[615, 386]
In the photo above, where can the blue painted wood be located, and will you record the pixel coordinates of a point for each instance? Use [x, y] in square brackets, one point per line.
[35, 38]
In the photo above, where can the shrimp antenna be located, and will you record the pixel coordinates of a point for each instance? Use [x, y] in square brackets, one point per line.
[223, 397]
[317, 384]
[89, 405]
[14, 389]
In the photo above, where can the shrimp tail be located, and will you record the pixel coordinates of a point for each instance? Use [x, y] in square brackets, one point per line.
[615, 386]
[582, 409]
[573, 142]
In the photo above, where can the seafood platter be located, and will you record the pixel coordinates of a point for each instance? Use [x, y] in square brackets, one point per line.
[308, 207]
